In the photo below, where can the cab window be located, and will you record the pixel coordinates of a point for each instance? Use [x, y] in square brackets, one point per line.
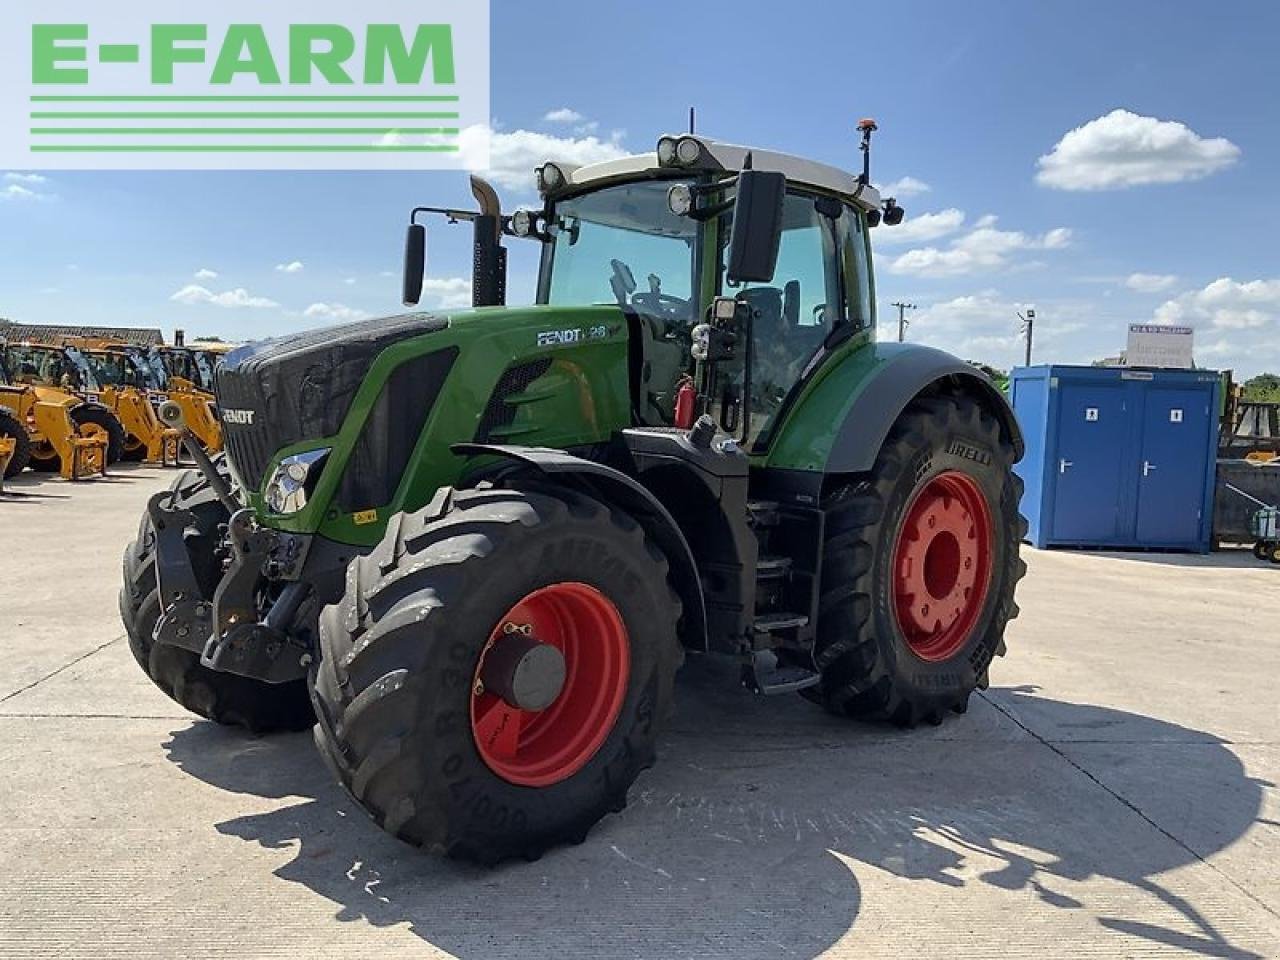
[793, 313]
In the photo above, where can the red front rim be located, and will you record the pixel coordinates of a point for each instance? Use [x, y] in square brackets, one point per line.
[539, 748]
[942, 565]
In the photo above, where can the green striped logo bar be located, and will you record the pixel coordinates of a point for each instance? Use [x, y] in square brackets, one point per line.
[244, 87]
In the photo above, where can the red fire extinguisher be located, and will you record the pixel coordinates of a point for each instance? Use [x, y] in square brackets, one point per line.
[686, 402]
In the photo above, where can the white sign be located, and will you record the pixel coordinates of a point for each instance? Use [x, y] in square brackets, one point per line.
[242, 84]
[1160, 345]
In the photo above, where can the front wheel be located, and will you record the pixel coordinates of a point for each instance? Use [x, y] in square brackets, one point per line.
[919, 569]
[494, 678]
[92, 420]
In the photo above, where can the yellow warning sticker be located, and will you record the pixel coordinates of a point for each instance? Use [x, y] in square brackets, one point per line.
[364, 517]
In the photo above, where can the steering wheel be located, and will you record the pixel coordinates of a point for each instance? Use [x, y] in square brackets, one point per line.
[665, 305]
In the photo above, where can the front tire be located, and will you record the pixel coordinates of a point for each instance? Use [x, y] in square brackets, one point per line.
[407, 717]
[226, 698]
[919, 569]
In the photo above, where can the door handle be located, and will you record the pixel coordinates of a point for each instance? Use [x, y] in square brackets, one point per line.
[1147, 467]
[1063, 465]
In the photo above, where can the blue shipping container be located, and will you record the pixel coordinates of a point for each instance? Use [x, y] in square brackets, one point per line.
[1117, 457]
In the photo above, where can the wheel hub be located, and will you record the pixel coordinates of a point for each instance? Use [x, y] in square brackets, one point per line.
[549, 684]
[525, 672]
[942, 565]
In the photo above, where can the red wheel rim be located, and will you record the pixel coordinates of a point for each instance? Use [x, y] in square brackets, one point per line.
[537, 748]
[942, 565]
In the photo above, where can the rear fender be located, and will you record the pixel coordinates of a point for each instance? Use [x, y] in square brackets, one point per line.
[839, 425]
[615, 487]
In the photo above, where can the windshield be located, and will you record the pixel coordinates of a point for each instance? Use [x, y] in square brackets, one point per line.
[623, 245]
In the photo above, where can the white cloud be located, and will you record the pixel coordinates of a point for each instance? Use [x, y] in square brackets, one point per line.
[1228, 305]
[1123, 149]
[513, 156]
[239, 297]
[1151, 282]
[294, 266]
[983, 249]
[349, 281]
[29, 178]
[204, 273]
[338, 312]
[449, 293]
[563, 115]
[920, 229]
[904, 187]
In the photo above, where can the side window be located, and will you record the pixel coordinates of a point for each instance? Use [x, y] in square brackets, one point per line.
[852, 230]
[795, 311]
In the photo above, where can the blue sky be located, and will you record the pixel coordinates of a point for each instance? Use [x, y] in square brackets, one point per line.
[969, 98]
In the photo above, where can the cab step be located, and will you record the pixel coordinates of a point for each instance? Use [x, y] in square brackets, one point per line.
[764, 513]
[777, 622]
[772, 567]
[767, 676]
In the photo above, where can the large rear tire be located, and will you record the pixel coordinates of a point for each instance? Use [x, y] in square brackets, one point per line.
[409, 717]
[223, 697]
[919, 570]
[11, 427]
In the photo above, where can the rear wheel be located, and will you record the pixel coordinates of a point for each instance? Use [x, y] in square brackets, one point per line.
[493, 680]
[11, 427]
[919, 570]
[224, 697]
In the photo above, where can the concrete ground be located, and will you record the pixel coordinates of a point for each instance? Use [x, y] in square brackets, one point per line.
[1113, 794]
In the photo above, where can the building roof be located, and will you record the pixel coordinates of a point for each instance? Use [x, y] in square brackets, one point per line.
[55, 334]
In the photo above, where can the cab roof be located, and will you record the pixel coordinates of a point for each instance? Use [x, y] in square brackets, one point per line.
[729, 158]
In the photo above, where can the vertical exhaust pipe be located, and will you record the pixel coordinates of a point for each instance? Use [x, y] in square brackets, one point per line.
[489, 263]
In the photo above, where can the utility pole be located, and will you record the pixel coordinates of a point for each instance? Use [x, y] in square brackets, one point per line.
[902, 317]
[1028, 328]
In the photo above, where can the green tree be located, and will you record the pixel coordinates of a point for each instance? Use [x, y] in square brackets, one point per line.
[1265, 387]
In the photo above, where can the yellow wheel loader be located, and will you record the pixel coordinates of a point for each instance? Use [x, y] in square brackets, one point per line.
[105, 382]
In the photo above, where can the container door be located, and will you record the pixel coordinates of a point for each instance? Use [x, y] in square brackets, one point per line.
[1175, 445]
[1092, 427]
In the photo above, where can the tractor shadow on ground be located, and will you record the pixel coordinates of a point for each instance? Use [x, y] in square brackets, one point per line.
[748, 838]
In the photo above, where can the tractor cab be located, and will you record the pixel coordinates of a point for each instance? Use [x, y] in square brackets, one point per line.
[654, 235]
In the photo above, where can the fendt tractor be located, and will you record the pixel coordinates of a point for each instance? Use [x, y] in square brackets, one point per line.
[473, 547]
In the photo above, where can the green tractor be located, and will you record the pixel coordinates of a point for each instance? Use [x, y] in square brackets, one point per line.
[473, 548]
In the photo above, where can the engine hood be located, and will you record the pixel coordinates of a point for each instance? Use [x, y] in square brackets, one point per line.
[274, 393]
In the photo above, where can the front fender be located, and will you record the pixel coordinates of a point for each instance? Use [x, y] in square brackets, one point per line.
[615, 487]
[839, 423]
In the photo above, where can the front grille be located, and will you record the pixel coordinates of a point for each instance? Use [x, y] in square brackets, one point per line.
[514, 380]
[300, 388]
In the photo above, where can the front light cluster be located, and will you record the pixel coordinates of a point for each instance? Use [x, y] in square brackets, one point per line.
[679, 152]
[294, 480]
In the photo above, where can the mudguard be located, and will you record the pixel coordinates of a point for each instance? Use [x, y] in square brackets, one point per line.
[618, 488]
[839, 423]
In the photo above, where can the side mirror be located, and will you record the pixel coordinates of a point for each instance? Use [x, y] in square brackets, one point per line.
[757, 227]
[415, 262]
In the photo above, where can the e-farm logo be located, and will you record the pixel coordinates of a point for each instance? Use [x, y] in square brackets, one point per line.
[241, 84]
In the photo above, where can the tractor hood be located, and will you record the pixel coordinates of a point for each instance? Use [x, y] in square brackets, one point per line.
[275, 393]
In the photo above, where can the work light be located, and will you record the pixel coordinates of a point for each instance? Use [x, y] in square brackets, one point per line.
[680, 199]
[666, 152]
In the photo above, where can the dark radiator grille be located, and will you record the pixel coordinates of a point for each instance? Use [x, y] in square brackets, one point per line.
[514, 380]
